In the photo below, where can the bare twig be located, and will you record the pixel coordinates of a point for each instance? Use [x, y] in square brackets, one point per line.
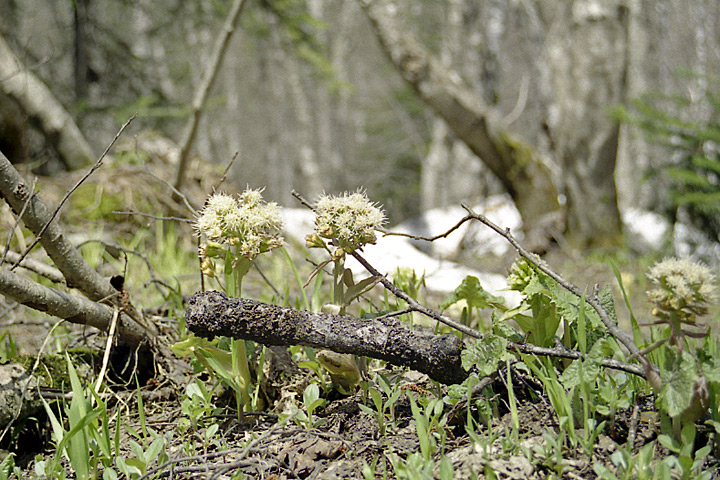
[176, 192]
[414, 304]
[154, 217]
[201, 95]
[572, 288]
[47, 271]
[38, 235]
[142, 256]
[17, 222]
[227, 169]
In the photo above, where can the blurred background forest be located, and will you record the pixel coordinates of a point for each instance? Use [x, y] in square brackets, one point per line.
[322, 96]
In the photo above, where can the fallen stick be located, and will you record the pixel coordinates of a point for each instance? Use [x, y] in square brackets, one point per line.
[211, 314]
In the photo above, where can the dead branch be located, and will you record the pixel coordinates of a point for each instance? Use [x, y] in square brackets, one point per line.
[73, 308]
[591, 299]
[40, 104]
[42, 269]
[14, 189]
[198, 104]
[528, 348]
[211, 314]
[39, 235]
[76, 271]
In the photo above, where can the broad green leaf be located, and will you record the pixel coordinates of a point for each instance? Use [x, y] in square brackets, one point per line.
[357, 289]
[678, 379]
[711, 369]
[485, 354]
[190, 344]
[589, 368]
[7, 466]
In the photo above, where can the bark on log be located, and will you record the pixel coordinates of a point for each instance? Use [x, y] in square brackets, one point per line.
[211, 314]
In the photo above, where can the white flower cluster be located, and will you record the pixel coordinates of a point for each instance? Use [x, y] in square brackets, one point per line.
[683, 287]
[248, 223]
[350, 220]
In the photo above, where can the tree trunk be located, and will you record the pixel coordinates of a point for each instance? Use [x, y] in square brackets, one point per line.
[44, 110]
[516, 164]
[587, 63]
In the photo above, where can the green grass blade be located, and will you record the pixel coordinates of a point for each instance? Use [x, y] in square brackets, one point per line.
[296, 275]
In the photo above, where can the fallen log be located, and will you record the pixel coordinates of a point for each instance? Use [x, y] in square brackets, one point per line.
[211, 314]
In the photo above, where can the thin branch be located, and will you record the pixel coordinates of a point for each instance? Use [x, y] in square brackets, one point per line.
[572, 288]
[73, 308]
[42, 269]
[155, 217]
[176, 192]
[38, 235]
[414, 304]
[137, 253]
[302, 200]
[225, 173]
[201, 95]
[17, 222]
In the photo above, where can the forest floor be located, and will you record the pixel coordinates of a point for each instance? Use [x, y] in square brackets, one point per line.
[344, 442]
[179, 427]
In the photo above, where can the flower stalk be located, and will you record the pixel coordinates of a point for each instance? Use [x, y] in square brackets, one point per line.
[236, 231]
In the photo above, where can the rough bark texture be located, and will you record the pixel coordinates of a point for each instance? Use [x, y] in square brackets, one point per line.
[211, 314]
[515, 163]
[78, 274]
[587, 67]
[72, 308]
[44, 110]
[14, 379]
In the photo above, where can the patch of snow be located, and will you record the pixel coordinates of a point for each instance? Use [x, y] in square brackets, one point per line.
[441, 276]
[392, 252]
[297, 223]
[471, 235]
[645, 230]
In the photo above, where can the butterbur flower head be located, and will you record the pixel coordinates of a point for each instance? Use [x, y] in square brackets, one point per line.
[682, 287]
[350, 220]
[248, 224]
[521, 273]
